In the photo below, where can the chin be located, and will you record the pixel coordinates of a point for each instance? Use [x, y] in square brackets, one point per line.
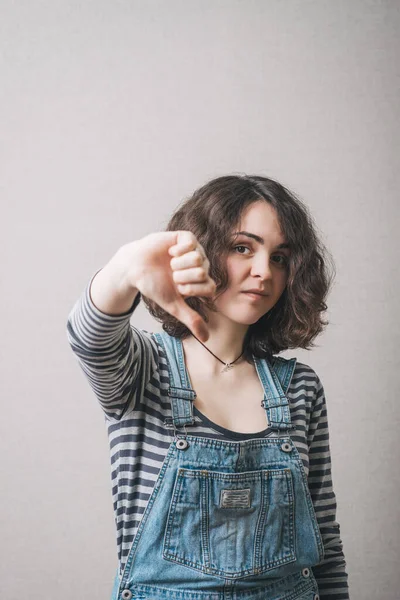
[244, 319]
[240, 314]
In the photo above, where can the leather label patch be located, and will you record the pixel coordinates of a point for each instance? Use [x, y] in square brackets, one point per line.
[235, 498]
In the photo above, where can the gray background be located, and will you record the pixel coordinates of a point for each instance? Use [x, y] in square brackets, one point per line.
[111, 114]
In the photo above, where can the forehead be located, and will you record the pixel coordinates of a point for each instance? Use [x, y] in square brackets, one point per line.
[261, 219]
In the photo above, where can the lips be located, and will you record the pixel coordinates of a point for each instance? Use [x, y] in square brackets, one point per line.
[254, 295]
[254, 292]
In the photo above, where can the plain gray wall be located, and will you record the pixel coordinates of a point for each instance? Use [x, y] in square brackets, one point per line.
[111, 113]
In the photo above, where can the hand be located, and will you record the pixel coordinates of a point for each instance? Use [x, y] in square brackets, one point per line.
[167, 280]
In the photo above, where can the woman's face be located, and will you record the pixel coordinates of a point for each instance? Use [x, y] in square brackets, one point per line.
[255, 261]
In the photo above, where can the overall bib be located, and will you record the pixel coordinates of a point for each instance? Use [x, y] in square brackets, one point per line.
[226, 520]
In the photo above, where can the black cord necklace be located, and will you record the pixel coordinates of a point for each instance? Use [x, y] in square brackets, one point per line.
[228, 366]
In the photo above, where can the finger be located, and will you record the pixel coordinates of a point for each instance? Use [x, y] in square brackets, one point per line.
[189, 259]
[197, 289]
[179, 249]
[185, 237]
[200, 249]
[186, 246]
[196, 275]
[184, 242]
[193, 321]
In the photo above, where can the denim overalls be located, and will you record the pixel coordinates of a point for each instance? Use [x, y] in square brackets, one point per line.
[226, 519]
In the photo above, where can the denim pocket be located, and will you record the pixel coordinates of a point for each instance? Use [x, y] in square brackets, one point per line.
[231, 524]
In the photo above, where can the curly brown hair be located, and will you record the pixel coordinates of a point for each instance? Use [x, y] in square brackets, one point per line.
[211, 213]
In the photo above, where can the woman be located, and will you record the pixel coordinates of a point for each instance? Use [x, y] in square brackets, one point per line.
[220, 459]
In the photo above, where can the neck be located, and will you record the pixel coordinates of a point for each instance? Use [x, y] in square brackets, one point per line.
[225, 341]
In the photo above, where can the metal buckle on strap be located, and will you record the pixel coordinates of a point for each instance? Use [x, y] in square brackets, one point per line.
[191, 394]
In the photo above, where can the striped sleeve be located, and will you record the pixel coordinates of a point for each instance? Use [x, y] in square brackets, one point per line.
[117, 359]
[331, 573]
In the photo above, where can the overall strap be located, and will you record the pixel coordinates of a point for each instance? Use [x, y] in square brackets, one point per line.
[180, 391]
[284, 368]
[276, 377]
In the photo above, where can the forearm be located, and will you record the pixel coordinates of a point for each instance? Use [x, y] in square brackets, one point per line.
[111, 291]
[117, 358]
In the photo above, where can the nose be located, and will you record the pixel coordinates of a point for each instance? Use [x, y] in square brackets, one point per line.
[261, 267]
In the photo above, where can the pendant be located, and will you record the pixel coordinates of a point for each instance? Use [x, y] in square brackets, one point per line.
[227, 367]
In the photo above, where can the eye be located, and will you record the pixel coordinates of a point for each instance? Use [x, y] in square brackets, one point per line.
[285, 260]
[241, 246]
[282, 263]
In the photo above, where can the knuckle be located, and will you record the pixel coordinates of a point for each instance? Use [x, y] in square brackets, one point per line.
[178, 262]
[190, 238]
[201, 274]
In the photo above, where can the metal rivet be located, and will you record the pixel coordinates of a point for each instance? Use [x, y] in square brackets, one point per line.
[126, 595]
[306, 572]
[182, 444]
[286, 447]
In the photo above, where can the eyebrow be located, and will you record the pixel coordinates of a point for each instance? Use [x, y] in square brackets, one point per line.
[260, 240]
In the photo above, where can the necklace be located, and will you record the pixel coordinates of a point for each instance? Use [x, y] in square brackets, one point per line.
[227, 366]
